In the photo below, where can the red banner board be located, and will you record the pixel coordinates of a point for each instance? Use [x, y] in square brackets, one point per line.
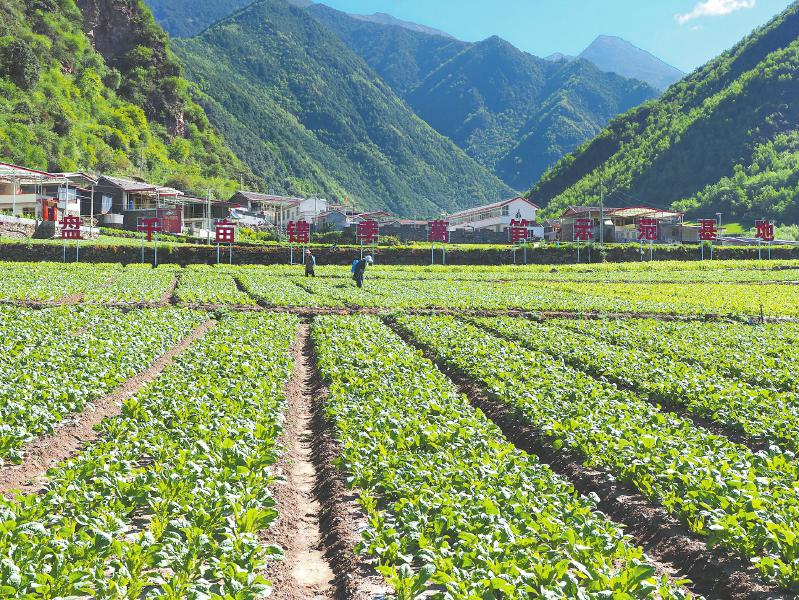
[438, 231]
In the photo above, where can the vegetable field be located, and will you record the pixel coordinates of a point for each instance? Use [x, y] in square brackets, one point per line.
[232, 433]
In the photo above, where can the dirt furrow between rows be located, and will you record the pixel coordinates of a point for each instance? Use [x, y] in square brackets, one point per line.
[341, 518]
[304, 572]
[79, 429]
[670, 546]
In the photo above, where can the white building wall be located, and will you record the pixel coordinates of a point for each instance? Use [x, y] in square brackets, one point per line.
[516, 209]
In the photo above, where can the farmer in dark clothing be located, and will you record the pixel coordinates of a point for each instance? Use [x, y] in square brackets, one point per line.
[359, 269]
[310, 264]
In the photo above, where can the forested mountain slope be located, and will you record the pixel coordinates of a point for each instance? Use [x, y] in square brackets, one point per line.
[724, 139]
[515, 113]
[185, 18]
[63, 107]
[311, 117]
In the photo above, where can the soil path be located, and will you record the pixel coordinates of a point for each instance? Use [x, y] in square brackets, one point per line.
[169, 295]
[304, 573]
[78, 430]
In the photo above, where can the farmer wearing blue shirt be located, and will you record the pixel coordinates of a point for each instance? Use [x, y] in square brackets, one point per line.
[359, 269]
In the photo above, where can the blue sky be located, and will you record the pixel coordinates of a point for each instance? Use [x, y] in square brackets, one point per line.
[685, 33]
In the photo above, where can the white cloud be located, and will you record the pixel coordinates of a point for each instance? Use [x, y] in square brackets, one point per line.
[714, 8]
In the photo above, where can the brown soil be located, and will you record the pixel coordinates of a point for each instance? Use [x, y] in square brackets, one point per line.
[79, 430]
[304, 572]
[70, 300]
[341, 517]
[670, 546]
[168, 295]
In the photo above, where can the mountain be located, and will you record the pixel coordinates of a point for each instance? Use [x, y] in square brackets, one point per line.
[513, 112]
[385, 19]
[724, 139]
[311, 117]
[94, 86]
[615, 55]
[401, 56]
[185, 18]
[557, 56]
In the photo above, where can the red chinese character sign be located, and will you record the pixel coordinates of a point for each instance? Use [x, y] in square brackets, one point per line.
[438, 232]
[519, 230]
[368, 232]
[583, 230]
[708, 230]
[225, 232]
[765, 233]
[648, 230]
[299, 232]
[70, 228]
[765, 230]
[150, 226]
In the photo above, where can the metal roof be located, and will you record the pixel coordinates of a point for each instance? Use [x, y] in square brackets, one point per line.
[499, 204]
[131, 185]
[270, 198]
[636, 212]
[9, 171]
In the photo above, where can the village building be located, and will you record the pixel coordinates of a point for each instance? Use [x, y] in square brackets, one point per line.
[278, 211]
[40, 195]
[495, 217]
[490, 223]
[620, 225]
[123, 203]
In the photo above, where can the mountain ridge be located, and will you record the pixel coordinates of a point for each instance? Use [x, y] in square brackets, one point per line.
[723, 139]
[311, 117]
[617, 55]
[487, 96]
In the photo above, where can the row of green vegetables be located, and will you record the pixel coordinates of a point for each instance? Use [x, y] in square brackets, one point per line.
[62, 358]
[756, 411]
[746, 502]
[169, 501]
[110, 283]
[728, 270]
[454, 509]
[763, 354]
[407, 287]
[206, 285]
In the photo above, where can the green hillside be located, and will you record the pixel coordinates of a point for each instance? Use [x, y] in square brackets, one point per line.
[403, 58]
[185, 18]
[518, 114]
[515, 113]
[64, 108]
[309, 116]
[724, 139]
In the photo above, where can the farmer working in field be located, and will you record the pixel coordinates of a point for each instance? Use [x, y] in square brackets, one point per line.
[310, 264]
[359, 269]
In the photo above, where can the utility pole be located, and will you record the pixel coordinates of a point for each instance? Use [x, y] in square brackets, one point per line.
[91, 215]
[601, 206]
[208, 215]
